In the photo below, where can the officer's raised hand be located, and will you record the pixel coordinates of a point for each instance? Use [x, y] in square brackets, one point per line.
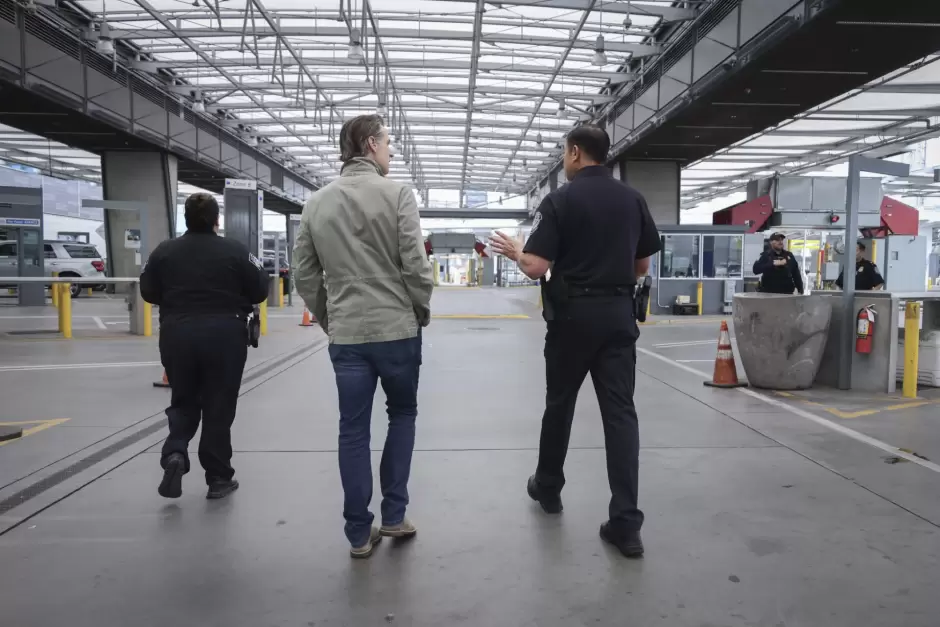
[532, 265]
[506, 245]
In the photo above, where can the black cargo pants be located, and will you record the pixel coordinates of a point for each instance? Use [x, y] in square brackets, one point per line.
[596, 335]
[204, 358]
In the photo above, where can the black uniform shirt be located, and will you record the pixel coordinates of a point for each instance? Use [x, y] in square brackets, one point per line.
[593, 229]
[866, 275]
[779, 279]
[202, 274]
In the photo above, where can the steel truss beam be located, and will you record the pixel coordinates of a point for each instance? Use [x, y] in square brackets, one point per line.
[417, 34]
[666, 11]
[417, 88]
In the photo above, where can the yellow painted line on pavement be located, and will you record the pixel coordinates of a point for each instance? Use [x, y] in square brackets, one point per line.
[481, 316]
[870, 412]
[846, 415]
[39, 425]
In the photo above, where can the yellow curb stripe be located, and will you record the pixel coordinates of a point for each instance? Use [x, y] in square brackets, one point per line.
[41, 425]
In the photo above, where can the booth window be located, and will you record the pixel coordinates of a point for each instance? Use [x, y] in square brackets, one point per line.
[679, 257]
[722, 256]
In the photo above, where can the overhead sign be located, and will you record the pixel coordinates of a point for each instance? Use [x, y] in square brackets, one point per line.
[475, 198]
[19, 222]
[241, 184]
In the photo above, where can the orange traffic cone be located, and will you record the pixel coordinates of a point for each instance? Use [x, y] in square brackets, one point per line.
[162, 383]
[726, 374]
[307, 320]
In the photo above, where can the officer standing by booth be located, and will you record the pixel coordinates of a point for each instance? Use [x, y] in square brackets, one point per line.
[596, 236]
[205, 286]
[867, 276]
[779, 272]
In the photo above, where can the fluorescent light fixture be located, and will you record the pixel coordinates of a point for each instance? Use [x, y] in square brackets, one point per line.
[599, 57]
[104, 45]
[355, 45]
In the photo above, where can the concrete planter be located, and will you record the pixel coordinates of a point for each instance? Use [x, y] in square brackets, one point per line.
[781, 338]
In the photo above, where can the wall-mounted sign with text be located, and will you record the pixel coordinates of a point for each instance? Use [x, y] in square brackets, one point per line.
[241, 184]
[19, 222]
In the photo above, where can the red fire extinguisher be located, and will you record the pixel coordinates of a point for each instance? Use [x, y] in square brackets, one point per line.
[864, 329]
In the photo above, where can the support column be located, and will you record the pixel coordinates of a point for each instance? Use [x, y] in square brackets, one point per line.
[21, 216]
[244, 205]
[660, 184]
[293, 223]
[489, 271]
[137, 177]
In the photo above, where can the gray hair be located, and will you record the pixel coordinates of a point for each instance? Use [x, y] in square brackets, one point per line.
[355, 134]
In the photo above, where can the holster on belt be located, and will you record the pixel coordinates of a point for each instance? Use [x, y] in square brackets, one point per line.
[641, 298]
[554, 296]
[254, 327]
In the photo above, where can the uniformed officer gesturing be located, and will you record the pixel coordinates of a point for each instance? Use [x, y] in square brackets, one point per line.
[205, 286]
[778, 269]
[867, 276]
[596, 234]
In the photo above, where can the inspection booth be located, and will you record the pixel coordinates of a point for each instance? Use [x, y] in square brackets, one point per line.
[21, 252]
[699, 263]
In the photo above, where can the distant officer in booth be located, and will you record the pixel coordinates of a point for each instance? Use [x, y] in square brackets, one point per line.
[596, 234]
[779, 272]
[867, 276]
[205, 286]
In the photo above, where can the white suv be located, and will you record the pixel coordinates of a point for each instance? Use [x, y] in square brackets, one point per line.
[74, 259]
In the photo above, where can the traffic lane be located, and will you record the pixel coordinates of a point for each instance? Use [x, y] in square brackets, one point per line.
[911, 425]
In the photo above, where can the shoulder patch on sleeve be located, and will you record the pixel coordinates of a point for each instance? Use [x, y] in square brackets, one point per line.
[536, 221]
[255, 261]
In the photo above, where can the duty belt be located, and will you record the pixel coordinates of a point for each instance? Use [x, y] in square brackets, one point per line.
[576, 291]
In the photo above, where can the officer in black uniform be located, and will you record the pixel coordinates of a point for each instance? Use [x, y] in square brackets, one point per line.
[596, 235]
[205, 286]
[780, 273]
[867, 276]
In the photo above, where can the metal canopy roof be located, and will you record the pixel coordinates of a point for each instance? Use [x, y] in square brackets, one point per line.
[882, 118]
[478, 95]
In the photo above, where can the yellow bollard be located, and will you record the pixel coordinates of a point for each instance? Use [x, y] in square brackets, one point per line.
[148, 319]
[698, 297]
[437, 272]
[65, 311]
[89, 291]
[55, 291]
[911, 348]
[280, 292]
[264, 317]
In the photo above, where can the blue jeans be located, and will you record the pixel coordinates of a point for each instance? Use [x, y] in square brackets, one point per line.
[358, 368]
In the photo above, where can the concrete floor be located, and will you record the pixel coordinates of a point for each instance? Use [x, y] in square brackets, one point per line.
[756, 516]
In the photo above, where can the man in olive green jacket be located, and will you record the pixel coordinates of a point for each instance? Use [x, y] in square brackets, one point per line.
[360, 265]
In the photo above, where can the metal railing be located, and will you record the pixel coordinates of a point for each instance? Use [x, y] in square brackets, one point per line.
[140, 312]
[62, 300]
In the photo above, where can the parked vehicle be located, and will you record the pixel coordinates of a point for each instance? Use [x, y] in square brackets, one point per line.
[73, 259]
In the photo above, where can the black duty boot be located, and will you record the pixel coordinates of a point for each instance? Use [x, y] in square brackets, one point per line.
[551, 503]
[221, 488]
[628, 542]
[171, 487]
